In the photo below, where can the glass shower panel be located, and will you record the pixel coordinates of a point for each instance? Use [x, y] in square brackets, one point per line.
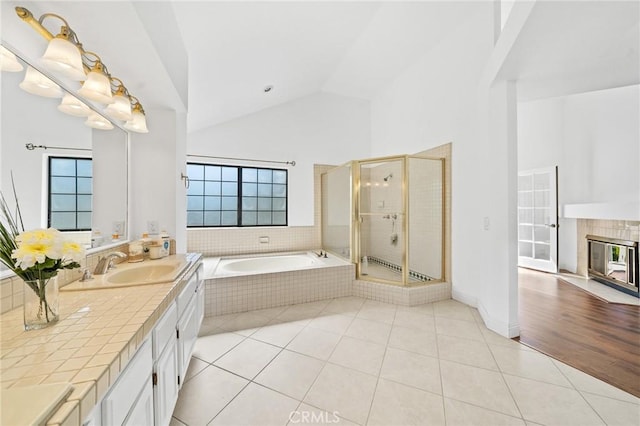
[336, 211]
[381, 220]
[425, 227]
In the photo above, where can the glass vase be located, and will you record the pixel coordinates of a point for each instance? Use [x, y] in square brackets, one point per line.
[40, 303]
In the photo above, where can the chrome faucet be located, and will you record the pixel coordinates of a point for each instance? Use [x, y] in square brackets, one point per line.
[105, 263]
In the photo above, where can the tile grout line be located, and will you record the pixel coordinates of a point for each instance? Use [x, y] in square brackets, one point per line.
[375, 389]
[444, 406]
[579, 393]
[324, 361]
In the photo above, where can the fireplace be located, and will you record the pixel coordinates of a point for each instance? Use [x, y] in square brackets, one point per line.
[614, 262]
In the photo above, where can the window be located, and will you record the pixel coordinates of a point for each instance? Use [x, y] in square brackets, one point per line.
[70, 193]
[235, 196]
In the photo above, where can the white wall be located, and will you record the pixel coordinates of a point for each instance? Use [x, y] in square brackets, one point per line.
[594, 139]
[442, 98]
[318, 129]
[157, 159]
[28, 118]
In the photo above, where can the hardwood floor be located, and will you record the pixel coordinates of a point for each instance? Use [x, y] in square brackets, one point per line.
[569, 324]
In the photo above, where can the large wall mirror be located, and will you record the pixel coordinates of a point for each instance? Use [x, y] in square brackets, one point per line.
[66, 174]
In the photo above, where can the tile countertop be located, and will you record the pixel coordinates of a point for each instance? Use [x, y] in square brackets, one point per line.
[98, 332]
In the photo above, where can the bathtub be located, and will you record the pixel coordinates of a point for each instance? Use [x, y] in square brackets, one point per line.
[245, 283]
[265, 264]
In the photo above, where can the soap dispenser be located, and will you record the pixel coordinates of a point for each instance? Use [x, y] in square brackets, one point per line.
[165, 244]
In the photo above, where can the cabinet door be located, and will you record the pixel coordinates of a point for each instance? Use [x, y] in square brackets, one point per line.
[142, 411]
[188, 326]
[165, 391]
[118, 402]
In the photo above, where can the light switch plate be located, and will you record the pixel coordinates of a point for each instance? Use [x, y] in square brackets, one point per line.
[118, 227]
[153, 228]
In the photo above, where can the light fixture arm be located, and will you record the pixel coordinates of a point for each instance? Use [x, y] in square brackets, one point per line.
[79, 67]
[27, 17]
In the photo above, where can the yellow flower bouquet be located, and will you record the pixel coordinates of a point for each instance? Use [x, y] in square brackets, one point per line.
[36, 256]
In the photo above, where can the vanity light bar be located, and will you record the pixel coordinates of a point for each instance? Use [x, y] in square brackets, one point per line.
[66, 56]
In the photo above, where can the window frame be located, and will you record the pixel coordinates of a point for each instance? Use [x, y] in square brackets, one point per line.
[50, 159]
[239, 195]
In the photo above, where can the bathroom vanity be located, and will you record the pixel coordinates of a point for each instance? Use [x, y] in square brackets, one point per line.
[124, 350]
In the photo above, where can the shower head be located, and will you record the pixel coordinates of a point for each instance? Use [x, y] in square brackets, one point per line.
[389, 176]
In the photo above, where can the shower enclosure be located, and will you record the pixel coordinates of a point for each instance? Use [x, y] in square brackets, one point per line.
[386, 215]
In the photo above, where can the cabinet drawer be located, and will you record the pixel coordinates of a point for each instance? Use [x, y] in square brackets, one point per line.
[164, 330]
[124, 393]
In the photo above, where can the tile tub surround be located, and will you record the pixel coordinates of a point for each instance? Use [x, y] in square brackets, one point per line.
[11, 286]
[98, 332]
[228, 295]
[356, 361]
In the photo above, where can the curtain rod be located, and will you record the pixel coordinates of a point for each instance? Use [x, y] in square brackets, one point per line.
[292, 163]
[31, 147]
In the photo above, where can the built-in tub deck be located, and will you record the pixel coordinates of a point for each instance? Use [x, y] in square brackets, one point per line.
[245, 283]
[232, 266]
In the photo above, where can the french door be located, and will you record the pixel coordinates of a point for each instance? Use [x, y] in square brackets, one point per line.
[538, 219]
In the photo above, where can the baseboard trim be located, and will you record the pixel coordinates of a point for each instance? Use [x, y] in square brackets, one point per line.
[463, 297]
[492, 323]
[505, 329]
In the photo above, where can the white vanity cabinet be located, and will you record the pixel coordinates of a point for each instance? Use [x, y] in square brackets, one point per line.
[146, 391]
[128, 397]
[190, 313]
[165, 366]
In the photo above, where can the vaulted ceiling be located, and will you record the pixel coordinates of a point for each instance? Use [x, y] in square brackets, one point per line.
[213, 59]
[350, 48]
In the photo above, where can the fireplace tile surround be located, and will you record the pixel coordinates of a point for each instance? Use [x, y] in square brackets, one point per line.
[620, 229]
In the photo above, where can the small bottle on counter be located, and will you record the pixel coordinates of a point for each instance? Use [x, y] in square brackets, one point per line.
[96, 238]
[165, 243]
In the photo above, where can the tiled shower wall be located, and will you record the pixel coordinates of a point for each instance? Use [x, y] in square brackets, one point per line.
[382, 198]
[620, 229]
[444, 151]
[425, 216]
[12, 287]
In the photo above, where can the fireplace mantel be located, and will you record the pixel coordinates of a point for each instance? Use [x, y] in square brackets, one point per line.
[604, 211]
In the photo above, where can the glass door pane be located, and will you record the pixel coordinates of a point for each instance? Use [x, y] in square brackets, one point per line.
[336, 211]
[381, 220]
[537, 217]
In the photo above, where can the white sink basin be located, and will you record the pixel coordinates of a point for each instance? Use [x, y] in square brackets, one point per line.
[146, 274]
[135, 274]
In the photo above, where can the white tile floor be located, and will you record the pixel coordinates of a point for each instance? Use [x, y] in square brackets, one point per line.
[352, 361]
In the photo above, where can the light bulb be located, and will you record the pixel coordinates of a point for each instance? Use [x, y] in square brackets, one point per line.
[8, 61]
[37, 84]
[97, 121]
[64, 58]
[97, 86]
[74, 106]
[120, 109]
[138, 122]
